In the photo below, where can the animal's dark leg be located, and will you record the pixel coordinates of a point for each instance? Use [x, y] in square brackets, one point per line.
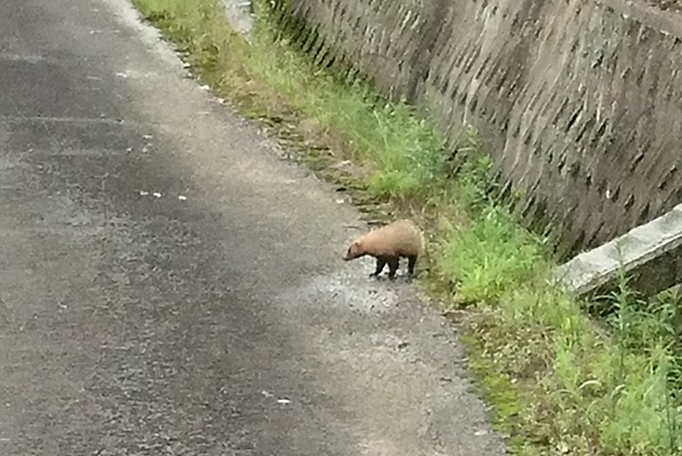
[411, 262]
[381, 262]
[392, 266]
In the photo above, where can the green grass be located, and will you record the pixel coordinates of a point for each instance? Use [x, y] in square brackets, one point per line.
[560, 382]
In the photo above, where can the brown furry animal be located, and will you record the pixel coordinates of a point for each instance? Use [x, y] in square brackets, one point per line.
[388, 244]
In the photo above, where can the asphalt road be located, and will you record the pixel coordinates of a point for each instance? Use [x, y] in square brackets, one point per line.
[170, 286]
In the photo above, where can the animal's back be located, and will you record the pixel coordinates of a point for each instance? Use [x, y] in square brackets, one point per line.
[400, 238]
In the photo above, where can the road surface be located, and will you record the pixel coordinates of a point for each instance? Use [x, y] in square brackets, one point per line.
[170, 286]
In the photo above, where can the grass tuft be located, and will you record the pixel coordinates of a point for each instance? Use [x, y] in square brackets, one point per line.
[560, 382]
[490, 256]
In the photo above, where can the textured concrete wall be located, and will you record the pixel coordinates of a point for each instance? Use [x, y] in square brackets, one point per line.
[580, 99]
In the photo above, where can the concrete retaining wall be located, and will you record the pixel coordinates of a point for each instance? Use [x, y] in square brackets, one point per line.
[580, 99]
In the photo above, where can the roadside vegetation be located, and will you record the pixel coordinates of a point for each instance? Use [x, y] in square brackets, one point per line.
[560, 382]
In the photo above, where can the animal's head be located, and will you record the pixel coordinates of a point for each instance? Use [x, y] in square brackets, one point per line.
[354, 251]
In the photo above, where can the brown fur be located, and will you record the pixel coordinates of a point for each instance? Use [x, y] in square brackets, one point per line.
[400, 239]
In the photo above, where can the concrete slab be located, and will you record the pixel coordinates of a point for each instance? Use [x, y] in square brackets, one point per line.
[649, 254]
